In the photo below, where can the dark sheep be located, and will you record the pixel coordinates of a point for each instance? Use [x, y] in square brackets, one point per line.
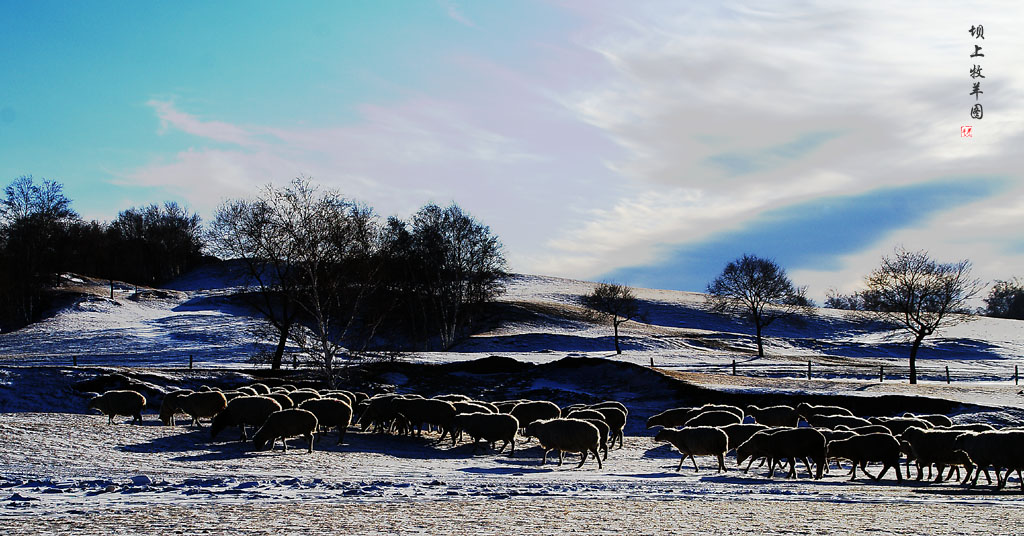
[535, 410]
[202, 404]
[120, 402]
[832, 421]
[283, 399]
[566, 435]
[740, 432]
[251, 410]
[897, 425]
[330, 412]
[935, 447]
[604, 430]
[784, 416]
[713, 418]
[169, 405]
[698, 440]
[807, 410]
[671, 418]
[417, 412]
[491, 427]
[284, 424]
[936, 419]
[861, 449]
[616, 420]
[790, 443]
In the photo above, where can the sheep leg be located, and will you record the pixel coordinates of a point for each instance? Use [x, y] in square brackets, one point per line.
[854, 471]
[561, 456]
[885, 469]
[309, 436]
[721, 462]
[807, 464]
[681, 460]
[596, 457]
[545, 458]
[939, 468]
[341, 433]
[583, 458]
[864, 467]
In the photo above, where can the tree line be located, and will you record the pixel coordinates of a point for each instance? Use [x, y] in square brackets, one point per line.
[42, 236]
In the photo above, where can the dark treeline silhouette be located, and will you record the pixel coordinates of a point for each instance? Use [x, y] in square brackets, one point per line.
[41, 236]
[327, 275]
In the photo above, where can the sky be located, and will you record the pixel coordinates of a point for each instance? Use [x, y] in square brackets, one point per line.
[646, 143]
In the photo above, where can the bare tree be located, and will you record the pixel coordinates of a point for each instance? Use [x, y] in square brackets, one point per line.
[1006, 299]
[616, 302]
[757, 290]
[921, 295]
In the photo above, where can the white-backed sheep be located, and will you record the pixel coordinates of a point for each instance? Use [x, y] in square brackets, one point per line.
[534, 410]
[251, 410]
[790, 443]
[284, 424]
[584, 414]
[471, 407]
[491, 427]
[897, 425]
[566, 435]
[505, 406]
[785, 416]
[671, 418]
[698, 440]
[490, 407]
[247, 391]
[935, 447]
[936, 419]
[713, 418]
[169, 405]
[806, 410]
[120, 402]
[832, 421]
[330, 412]
[973, 427]
[202, 404]
[453, 397]
[861, 449]
[867, 429]
[610, 404]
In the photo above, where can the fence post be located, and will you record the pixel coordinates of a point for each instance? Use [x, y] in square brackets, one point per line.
[652, 362]
[947, 374]
[881, 373]
[808, 370]
[74, 360]
[733, 367]
[190, 362]
[1016, 376]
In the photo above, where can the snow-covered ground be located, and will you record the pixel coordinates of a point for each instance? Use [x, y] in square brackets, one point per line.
[62, 468]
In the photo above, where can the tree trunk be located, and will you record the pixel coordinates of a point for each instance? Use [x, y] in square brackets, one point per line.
[617, 349]
[760, 343]
[913, 357]
[275, 363]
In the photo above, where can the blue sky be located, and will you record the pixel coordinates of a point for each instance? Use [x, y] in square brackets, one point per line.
[647, 142]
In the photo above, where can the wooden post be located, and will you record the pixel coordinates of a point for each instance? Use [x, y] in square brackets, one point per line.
[111, 289]
[881, 373]
[295, 362]
[1016, 376]
[190, 362]
[947, 374]
[652, 362]
[74, 360]
[808, 370]
[733, 367]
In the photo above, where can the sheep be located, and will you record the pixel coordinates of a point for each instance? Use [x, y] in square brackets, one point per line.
[774, 415]
[610, 404]
[505, 406]
[360, 396]
[671, 418]
[471, 407]
[739, 432]
[454, 397]
[832, 421]
[999, 449]
[491, 427]
[169, 405]
[122, 402]
[806, 410]
[330, 412]
[584, 414]
[713, 418]
[284, 424]
[252, 410]
[340, 395]
[260, 388]
[936, 447]
[861, 449]
[534, 410]
[864, 430]
[380, 412]
[419, 411]
[300, 395]
[972, 427]
[703, 440]
[604, 430]
[566, 435]
[202, 404]
[935, 418]
[283, 399]
[247, 391]
[616, 420]
[898, 424]
[490, 407]
[791, 443]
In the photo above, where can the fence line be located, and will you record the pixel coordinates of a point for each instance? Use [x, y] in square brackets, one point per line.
[878, 372]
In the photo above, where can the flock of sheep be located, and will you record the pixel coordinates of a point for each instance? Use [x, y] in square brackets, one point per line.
[778, 435]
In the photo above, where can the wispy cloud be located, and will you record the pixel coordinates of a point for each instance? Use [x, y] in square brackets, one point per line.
[455, 13]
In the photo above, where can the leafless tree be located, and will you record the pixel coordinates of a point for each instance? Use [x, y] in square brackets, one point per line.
[757, 290]
[921, 295]
[614, 302]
